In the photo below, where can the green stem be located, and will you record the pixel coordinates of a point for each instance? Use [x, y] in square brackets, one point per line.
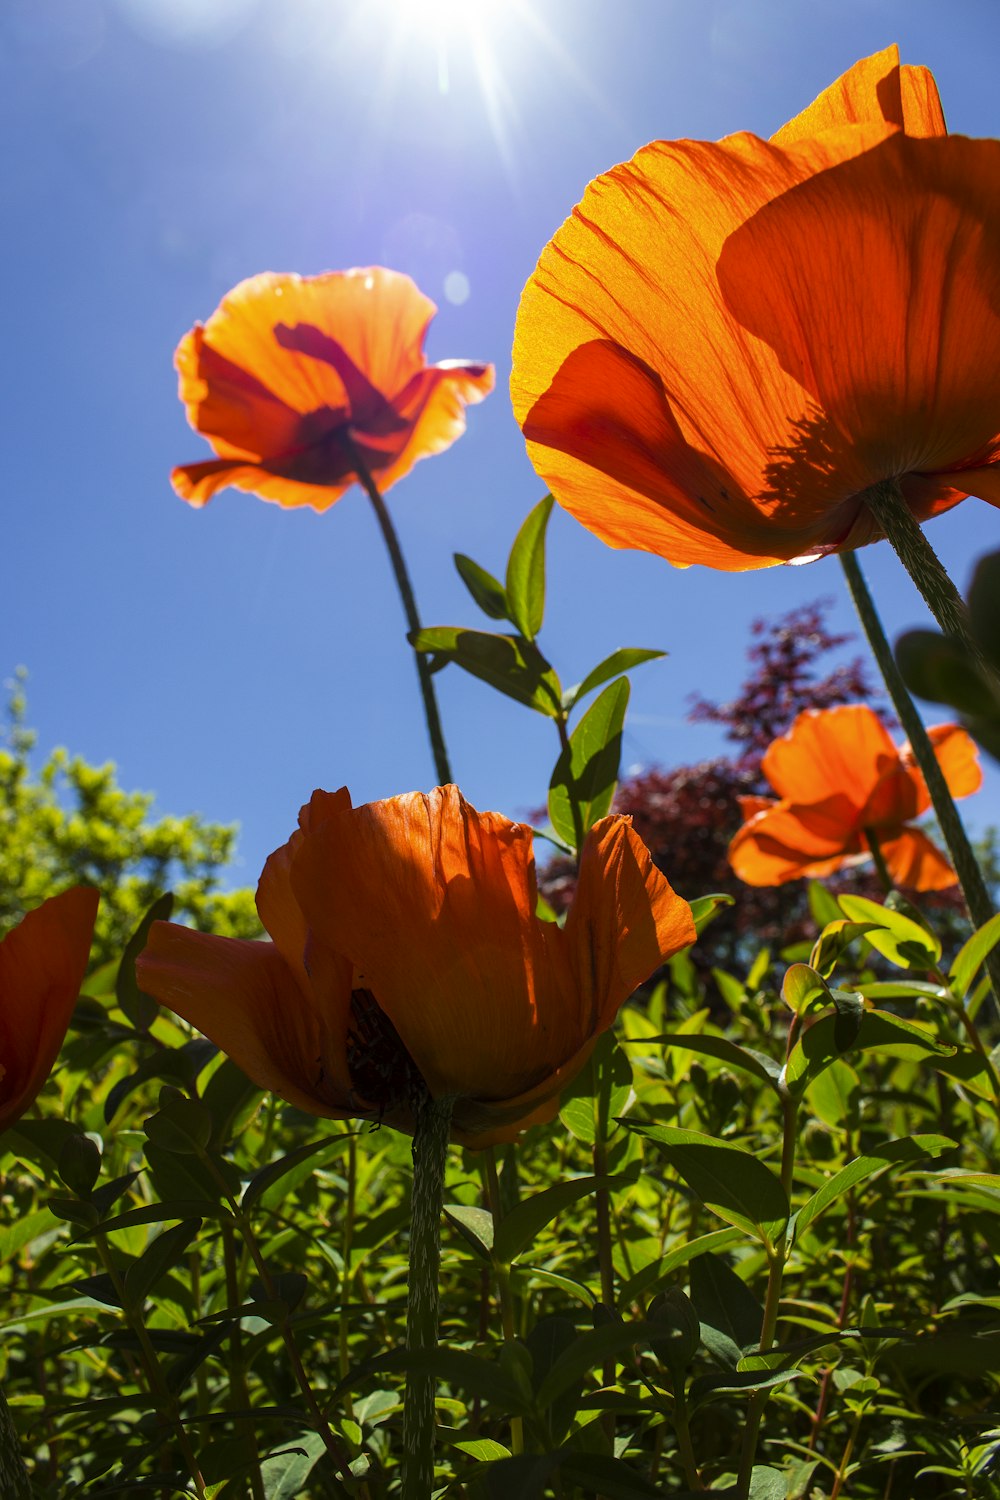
[970, 876]
[432, 1127]
[442, 766]
[501, 1272]
[777, 1258]
[875, 850]
[14, 1481]
[906, 536]
[346, 1279]
[238, 1385]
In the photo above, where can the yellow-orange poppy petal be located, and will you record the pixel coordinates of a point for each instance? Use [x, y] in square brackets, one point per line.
[277, 907]
[914, 861]
[197, 483]
[434, 904]
[42, 965]
[875, 89]
[244, 997]
[837, 751]
[786, 842]
[893, 328]
[635, 266]
[433, 407]
[624, 922]
[958, 756]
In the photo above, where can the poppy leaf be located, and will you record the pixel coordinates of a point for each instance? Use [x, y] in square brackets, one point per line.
[744, 1058]
[517, 1229]
[589, 1350]
[732, 1182]
[276, 1170]
[612, 666]
[897, 937]
[728, 1312]
[140, 1008]
[833, 941]
[879, 1031]
[475, 1225]
[972, 953]
[803, 989]
[159, 1257]
[488, 592]
[586, 773]
[508, 663]
[705, 909]
[939, 668]
[907, 1149]
[651, 1276]
[526, 571]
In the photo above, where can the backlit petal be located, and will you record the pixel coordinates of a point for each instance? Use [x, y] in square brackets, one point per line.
[838, 751]
[915, 862]
[958, 756]
[244, 997]
[876, 89]
[42, 965]
[785, 842]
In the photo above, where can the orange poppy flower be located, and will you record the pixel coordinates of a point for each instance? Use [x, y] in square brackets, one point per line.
[837, 774]
[293, 376]
[727, 343]
[42, 963]
[406, 954]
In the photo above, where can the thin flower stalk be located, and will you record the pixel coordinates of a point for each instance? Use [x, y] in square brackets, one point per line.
[501, 1273]
[970, 876]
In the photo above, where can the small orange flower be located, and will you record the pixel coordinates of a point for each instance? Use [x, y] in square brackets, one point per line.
[837, 774]
[42, 963]
[293, 376]
[727, 343]
[407, 954]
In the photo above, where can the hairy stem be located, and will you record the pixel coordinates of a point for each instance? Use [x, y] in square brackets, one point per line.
[14, 1481]
[432, 1128]
[442, 766]
[970, 876]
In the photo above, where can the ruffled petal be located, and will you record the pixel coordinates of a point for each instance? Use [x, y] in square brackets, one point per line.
[42, 964]
[624, 922]
[197, 483]
[915, 862]
[434, 904]
[244, 997]
[842, 751]
[786, 842]
[433, 408]
[877, 89]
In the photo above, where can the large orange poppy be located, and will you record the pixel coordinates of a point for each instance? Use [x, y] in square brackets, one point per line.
[838, 774]
[407, 954]
[292, 377]
[42, 964]
[727, 343]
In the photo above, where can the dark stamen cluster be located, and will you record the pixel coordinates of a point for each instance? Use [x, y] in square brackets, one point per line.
[382, 1071]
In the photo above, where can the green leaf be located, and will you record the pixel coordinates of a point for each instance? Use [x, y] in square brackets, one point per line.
[594, 1347]
[517, 1229]
[653, 1275]
[732, 1182]
[744, 1058]
[803, 989]
[903, 941]
[546, 1343]
[729, 1313]
[480, 1377]
[586, 774]
[609, 1069]
[971, 955]
[939, 668]
[275, 1170]
[526, 571]
[907, 1148]
[140, 1008]
[160, 1256]
[475, 1225]
[607, 1476]
[511, 665]
[487, 591]
[705, 909]
[80, 1164]
[833, 942]
[482, 1449]
[879, 1031]
[612, 666]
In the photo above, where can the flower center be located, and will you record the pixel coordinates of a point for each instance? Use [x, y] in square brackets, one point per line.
[382, 1071]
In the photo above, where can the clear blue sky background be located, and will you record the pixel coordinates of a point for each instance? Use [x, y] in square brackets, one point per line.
[156, 152]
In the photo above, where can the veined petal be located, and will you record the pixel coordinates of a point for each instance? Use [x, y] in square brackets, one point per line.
[876, 89]
[958, 756]
[42, 964]
[914, 861]
[624, 922]
[197, 483]
[433, 406]
[844, 751]
[785, 842]
[434, 904]
[244, 997]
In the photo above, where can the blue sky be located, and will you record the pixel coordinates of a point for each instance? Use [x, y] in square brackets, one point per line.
[160, 150]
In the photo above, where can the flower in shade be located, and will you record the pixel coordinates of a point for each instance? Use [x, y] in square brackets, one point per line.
[295, 379]
[407, 955]
[727, 343]
[42, 963]
[839, 778]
